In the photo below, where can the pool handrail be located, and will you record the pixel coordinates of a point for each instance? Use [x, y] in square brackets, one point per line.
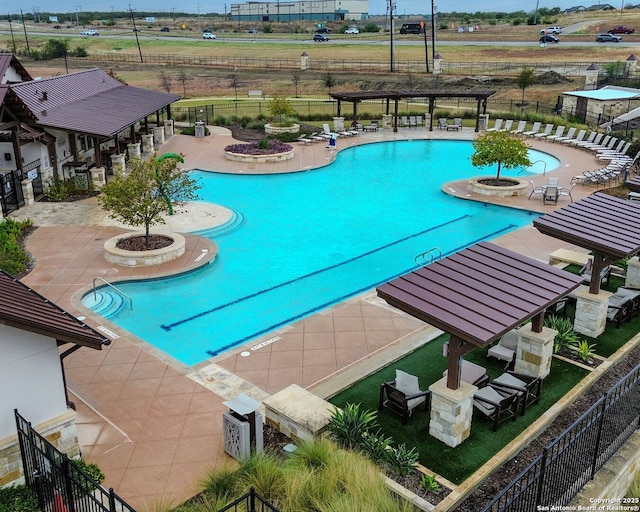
[95, 296]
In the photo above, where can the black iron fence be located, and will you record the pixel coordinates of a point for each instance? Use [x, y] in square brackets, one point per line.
[11, 196]
[506, 69]
[250, 502]
[58, 483]
[556, 476]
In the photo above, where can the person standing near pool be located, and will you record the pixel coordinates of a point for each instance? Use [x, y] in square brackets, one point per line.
[332, 141]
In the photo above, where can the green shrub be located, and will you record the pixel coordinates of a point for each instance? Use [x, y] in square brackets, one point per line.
[90, 470]
[313, 454]
[191, 130]
[350, 424]
[429, 483]
[402, 460]
[566, 336]
[18, 498]
[376, 446]
[14, 260]
[583, 350]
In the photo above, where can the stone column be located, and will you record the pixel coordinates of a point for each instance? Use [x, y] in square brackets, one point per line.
[304, 61]
[591, 77]
[451, 412]
[133, 150]
[158, 135]
[98, 177]
[338, 124]
[147, 144]
[168, 128]
[387, 121]
[591, 313]
[117, 163]
[631, 65]
[535, 351]
[427, 120]
[632, 279]
[27, 191]
[437, 64]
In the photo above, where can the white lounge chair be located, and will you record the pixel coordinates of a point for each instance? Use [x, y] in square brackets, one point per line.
[577, 138]
[597, 137]
[558, 134]
[569, 135]
[589, 139]
[496, 126]
[545, 133]
[508, 124]
[534, 129]
[520, 129]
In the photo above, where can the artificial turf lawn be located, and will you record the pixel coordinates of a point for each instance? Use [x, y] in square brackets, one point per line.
[427, 363]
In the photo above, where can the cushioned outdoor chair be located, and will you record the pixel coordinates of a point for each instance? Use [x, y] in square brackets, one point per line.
[506, 348]
[442, 123]
[527, 387]
[495, 405]
[402, 395]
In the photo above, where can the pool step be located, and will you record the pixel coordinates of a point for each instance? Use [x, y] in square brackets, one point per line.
[104, 303]
[234, 223]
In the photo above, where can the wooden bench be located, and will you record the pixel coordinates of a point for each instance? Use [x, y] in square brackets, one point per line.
[253, 94]
[569, 257]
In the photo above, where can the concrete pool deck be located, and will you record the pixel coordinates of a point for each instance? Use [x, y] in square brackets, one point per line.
[153, 425]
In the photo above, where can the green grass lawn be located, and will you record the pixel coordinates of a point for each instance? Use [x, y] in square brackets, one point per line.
[455, 464]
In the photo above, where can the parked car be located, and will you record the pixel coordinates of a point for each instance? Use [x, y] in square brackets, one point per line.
[352, 30]
[411, 28]
[89, 33]
[608, 38]
[621, 29]
[551, 30]
[136, 30]
[208, 35]
[548, 38]
[57, 27]
[323, 30]
[165, 29]
[320, 37]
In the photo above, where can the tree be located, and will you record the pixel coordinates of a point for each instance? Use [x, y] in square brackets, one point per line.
[148, 190]
[525, 79]
[165, 81]
[328, 81]
[502, 148]
[183, 77]
[281, 109]
[296, 78]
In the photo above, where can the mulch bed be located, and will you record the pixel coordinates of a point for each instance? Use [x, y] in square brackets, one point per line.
[139, 243]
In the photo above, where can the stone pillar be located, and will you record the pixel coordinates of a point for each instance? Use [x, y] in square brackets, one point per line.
[168, 128]
[117, 163]
[631, 65]
[451, 412]
[437, 64]
[338, 124]
[133, 150]
[304, 61]
[591, 77]
[632, 279]
[591, 313]
[158, 135]
[535, 351]
[147, 144]
[98, 177]
[27, 192]
[427, 120]
[387, 121]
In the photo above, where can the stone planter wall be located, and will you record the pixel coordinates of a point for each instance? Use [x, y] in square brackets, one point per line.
[143, 258]
[518, 189]
[275, 157]
[269, 128]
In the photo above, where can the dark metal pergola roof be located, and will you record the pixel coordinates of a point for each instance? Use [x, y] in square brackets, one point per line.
[603, 223]
[480, 293]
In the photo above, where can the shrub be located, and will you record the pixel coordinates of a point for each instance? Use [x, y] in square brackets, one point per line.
[402, 460]
[566, 335]
[13, 258]
[90, 470]
[350, 424]
[18, 498]
[264, 147]
[376, 446]
[583, 350]
[429, 483]
[313, 454]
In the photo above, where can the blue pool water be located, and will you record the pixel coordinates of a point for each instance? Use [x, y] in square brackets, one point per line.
[310, 239]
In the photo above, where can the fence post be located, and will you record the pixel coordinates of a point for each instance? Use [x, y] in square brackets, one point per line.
[112, 500]
[68, 487]
[252, 500]
[596, 448]
[543, 466]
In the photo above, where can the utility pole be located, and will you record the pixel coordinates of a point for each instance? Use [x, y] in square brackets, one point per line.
[391, 67]
[24, 27]
[433, 31]
[133, 20]
[13, 40]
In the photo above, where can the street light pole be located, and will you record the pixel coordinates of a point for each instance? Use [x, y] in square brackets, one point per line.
[433, 31]
[391, 34]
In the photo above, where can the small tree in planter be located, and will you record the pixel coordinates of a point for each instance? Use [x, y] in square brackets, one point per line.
[147, 191]
[281, 110]
[501, 148]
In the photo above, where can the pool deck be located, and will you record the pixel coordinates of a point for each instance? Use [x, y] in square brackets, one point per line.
[153, 425]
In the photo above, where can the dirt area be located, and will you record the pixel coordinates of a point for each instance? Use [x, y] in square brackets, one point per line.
[139, 243]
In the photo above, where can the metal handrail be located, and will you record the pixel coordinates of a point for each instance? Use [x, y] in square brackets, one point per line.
[544, 172]
[430, 253]
[95, 296]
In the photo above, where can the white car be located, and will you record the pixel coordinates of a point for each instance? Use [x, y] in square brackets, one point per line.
[352, 30]
[208, 35]
[89, 33]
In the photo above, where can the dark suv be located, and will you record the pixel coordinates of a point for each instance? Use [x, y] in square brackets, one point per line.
[323, 30]
[320, 37]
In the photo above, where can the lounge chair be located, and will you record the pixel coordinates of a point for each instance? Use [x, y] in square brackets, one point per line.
[535, 190]
[442, 123]
[624, 304]
[495, 405]
[508, 124]
[405, 121]
[371, 127]
[588, 140]
[594, 142]
[402, 395]
[520, 129]
[577, 138]
[506, 348]
[304, 140]
[496, 126]
[605, 273]
[534, 129]
[528, 388]
[559, 133]
[545, 133]
[419, 121]
[457, 122]
[412, 121]
[569, 135]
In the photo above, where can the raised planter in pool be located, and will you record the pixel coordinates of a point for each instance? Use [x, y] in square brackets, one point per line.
[143, 258]
[518, 188]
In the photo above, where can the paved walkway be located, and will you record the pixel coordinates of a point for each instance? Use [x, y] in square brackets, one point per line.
[154, 425]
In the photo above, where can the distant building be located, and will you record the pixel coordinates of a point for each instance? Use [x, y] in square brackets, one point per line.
[325, 10]
[601, 7]
[576, 8]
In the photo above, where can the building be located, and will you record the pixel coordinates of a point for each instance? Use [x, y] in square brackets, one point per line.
[600, 105]
[318, 11]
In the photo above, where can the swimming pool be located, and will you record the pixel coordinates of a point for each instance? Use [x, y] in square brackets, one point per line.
[304, 241]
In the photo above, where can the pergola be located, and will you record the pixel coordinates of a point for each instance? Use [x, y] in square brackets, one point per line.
[429, 94]
[608, 226]
[478, 295]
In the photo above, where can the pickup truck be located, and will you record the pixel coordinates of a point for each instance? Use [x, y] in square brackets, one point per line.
[551, 30]
[621, 29]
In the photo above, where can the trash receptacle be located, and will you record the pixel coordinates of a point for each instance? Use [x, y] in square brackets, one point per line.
[199, 131]
[483, 122]
[242, 427]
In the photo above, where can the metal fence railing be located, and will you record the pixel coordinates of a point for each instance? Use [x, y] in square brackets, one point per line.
[250, 502]
[58, 483]
[563, 468]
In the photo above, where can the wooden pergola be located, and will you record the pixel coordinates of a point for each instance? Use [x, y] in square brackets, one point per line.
[430, 95]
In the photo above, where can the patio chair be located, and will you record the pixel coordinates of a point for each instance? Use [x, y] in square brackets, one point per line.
[508, 124]
[559, 133]
[520, 129]
[605, 273]
[577, 138]
[402, 395]
[527, 387]
[304, 140]
[566, 192]
[545, 133]
[535, 190]
[550, 194]
[419, 121]
[569, 135]
[496, 406]
[506, 348]
[496, 126]
[412, 122]
[623, 304]
[457, 122]
[534, 129]
[405, 121]
[471, 373]
[442, 123]
[589, 139]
